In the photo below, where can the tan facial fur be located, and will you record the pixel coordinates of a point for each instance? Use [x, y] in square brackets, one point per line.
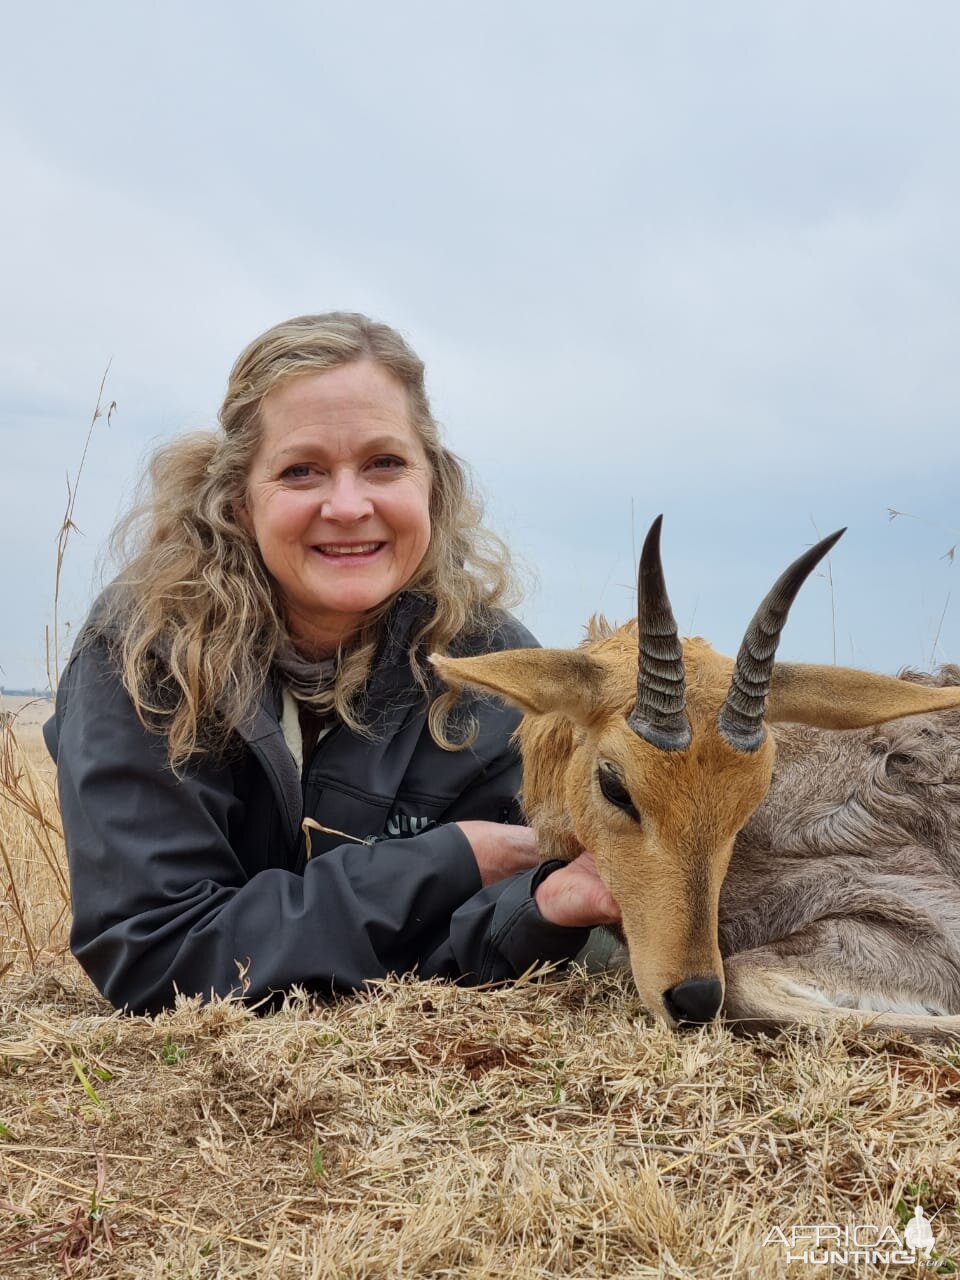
[665, 871]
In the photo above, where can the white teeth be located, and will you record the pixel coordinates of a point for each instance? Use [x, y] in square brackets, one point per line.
[360, 549]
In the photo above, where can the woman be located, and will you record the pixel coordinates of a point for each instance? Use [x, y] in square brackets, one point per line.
[260, 661]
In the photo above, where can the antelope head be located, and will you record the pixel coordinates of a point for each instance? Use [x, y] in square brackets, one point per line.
[657, 752]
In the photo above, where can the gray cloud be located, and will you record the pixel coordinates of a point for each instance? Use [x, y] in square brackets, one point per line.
[685, 260]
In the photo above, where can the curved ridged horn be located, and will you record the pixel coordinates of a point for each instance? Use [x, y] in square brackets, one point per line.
[659, 716]
[741, 717]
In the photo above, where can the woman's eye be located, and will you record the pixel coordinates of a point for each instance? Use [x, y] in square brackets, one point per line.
[304, 470]
[612, 789]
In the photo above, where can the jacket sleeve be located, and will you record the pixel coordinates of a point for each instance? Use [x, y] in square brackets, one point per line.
[499, 933]
[162, 903]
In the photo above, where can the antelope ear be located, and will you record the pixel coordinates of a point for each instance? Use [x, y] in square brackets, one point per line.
[538, 681]
[842, 698]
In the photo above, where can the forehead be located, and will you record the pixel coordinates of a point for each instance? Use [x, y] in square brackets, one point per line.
[360, 398]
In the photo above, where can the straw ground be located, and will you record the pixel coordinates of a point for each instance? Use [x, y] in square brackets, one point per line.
[541, 1130]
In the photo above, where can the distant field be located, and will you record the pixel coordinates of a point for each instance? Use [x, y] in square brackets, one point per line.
[29, 711]
[30, 714]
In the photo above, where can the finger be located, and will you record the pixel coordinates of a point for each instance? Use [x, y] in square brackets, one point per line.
[609, 907]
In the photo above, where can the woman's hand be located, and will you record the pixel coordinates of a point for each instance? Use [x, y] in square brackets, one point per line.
[576, 897]
[501, 850]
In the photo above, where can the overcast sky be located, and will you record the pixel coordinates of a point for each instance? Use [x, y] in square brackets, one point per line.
[698, 259]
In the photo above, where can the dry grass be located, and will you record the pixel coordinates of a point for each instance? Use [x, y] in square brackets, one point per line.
[542, 1130]
[34, 908]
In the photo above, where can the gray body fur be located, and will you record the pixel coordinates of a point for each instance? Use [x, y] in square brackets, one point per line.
[845, 883]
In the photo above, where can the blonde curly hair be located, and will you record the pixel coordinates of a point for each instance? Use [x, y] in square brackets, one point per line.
[196, 621]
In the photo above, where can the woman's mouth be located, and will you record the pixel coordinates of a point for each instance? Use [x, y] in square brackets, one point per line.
[354, 551]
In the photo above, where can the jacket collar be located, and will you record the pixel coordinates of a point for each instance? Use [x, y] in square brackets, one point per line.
[391, 697]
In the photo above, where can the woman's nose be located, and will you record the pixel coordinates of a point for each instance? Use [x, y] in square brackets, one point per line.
[345, 499]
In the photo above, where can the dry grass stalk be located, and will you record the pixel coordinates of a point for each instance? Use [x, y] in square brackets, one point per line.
[35, 901]
[67, 526]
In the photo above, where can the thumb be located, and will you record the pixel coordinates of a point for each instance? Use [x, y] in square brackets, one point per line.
[600, 898]
[605, 905]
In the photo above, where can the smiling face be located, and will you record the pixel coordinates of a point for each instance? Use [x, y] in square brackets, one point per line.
[338, 498]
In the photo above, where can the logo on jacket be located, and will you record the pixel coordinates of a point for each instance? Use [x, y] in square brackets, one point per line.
[405, 824]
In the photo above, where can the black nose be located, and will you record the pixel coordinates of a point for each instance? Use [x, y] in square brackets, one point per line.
[696, 1000]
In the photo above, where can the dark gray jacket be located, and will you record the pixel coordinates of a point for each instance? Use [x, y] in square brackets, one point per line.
[179, 883]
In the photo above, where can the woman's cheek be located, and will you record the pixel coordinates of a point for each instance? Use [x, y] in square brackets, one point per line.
[296, 512]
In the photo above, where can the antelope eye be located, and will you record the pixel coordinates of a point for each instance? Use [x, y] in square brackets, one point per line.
[611, 785]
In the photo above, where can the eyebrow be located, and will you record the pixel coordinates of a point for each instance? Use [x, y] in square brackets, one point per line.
[378, 444]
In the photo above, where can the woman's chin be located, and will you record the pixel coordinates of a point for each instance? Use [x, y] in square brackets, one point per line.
[340, 611]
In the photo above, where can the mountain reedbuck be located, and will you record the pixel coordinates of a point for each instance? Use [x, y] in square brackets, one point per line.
[763, 863]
